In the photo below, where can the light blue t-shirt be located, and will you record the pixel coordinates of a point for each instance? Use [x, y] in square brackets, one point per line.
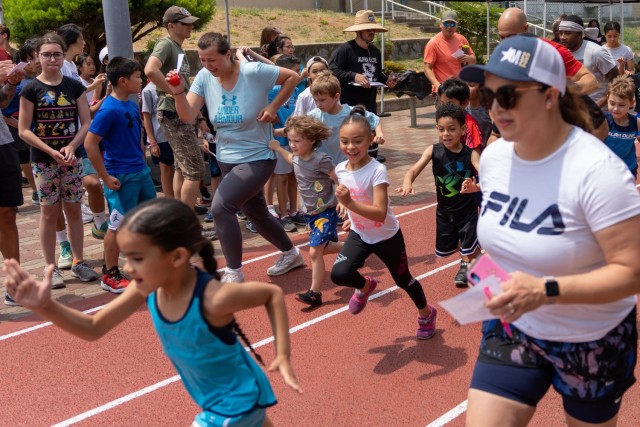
[331, 146]
[240, 137]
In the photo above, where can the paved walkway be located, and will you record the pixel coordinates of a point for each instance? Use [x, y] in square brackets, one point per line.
[403, 148]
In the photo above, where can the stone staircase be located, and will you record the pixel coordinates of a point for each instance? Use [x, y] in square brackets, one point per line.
[426, 24]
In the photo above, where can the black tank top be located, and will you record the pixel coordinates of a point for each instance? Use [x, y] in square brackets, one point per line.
[449, 170]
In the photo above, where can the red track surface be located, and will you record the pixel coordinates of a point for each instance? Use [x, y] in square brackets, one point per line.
[355, 370]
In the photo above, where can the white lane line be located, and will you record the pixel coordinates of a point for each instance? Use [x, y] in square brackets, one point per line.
[249, 261]
[154, 387]
[449, 416]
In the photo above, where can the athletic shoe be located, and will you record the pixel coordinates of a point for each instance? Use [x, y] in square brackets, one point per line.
[209, 234]
[252, 228]
[113, 281]
[232, 276]
[203, 201]
[461, 276]
[57, 282]
[359, 299]
[99, 233]
[200, 210]
[427, 325]
[65, 260]
[299, 219]
[288, 225]
[35, 200]
[25, 182]
[272, 211]
[311, 298]
[286, 263]
[83, 272]
[10, 301]
[241, 215]
[87, 215]
[208, 217]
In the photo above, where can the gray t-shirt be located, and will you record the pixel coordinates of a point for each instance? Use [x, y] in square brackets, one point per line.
[167, 51]
[314, 182]
[150, 105]
[598, 60]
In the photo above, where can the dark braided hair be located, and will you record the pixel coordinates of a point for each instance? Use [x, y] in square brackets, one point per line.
[241, 334]
[358, 115]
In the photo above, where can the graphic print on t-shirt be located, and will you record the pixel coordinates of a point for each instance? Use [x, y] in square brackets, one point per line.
[55, 118]
[228, 111]
[448, 184]
[515, 208]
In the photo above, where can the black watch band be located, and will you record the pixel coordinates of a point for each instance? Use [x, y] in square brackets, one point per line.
[551, 289]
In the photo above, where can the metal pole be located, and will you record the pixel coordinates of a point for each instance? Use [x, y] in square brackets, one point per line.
[383, 6]
[488, 32]
[544, 20]
[1, 13]
[621, 22]
[117, 27]
[226, 11]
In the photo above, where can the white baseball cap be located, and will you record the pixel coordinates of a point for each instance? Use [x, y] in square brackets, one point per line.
[103, 54]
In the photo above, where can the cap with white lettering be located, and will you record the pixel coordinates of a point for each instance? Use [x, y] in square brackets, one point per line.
[523, 59]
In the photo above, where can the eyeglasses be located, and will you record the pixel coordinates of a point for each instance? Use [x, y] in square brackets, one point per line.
[55, 55]
[507, 95]
[289, 46]
[449, 24]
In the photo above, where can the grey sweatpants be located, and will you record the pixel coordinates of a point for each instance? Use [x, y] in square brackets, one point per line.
[241, 187]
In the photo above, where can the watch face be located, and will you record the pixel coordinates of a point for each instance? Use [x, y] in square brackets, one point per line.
[551, 288]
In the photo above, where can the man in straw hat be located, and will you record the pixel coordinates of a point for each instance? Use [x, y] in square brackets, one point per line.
[358, 63]
[445, 53]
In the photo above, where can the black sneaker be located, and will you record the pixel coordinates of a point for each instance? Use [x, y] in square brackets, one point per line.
[311, 298]
[10, 301]
[299, 219]
[461, 276]
[252, 228]
[200, 210]
[241, 215]
[288, 225]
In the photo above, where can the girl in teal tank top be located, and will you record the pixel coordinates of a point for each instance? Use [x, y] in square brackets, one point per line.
[192, 312]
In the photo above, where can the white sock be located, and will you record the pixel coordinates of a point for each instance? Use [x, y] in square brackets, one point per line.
[99, 219]
[293, 251]
[234, 270]
[61, 236]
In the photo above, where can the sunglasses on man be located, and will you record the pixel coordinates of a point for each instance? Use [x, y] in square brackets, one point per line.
[449, 24]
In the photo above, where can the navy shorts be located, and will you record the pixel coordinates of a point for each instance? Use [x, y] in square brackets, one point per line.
[456, 232]
[323, 227]
[10, 177]
[166, 154]
[591, 376]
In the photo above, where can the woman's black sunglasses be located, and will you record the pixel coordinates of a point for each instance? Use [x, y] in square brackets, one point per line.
[507, 95]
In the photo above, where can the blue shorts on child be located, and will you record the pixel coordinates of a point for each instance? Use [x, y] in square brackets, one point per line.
[323, 227]
[135, 188]
[252, 418]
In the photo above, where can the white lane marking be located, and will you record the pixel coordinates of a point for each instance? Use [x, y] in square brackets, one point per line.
[91, 310]
[131, 396]
[449, 416]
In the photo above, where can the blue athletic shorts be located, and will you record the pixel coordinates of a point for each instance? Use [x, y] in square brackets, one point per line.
[254, 418]
[323, 227]
[87, 167]
[135, 188]
[591, 376]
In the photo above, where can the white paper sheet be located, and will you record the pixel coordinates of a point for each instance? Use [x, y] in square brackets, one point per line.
[18, 67]
[372, 84]
[180, 59]
[469, 306]
[458, 53]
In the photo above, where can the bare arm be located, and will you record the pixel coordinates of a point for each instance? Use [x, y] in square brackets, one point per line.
[153, 71]
[288, 80]
[585, 80]
[428, 71]
[275, 146]
[412, 174]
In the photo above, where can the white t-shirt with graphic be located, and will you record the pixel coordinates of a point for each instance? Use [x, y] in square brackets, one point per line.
[540, 217]
[360, 184]
[240, 137]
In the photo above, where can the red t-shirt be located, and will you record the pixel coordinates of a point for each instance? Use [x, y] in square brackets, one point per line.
[571, 64]
[472, 137]
[4, 55]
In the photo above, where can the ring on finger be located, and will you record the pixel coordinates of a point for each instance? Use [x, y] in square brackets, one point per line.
[512, 309]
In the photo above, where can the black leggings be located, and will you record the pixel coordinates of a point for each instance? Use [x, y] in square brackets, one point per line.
[241, 188]
[391, 251]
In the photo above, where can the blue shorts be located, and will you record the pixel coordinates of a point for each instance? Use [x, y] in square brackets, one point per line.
[135, 188]
[214, 169]
[166, 154]
[591, 376]
[254, 418]
[87, 167]
[322, 227]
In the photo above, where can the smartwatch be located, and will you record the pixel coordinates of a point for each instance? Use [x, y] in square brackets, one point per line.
[551, 289]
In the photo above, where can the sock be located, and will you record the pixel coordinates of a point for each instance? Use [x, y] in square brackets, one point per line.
[61, 236]
[234, 270]
[293, 251]
[76, 261]
[99, 219]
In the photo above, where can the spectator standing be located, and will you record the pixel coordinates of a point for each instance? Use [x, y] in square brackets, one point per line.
[620, 52]
[6, 51]
[597, 36]
[358, 66]
[182, 136]
[447, 51]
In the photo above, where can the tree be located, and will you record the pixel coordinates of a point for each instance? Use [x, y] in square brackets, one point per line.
[472, 23]
[31, 18]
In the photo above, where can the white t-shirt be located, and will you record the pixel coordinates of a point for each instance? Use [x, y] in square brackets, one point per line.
[150, 105]
[305, 103]
[540, 217]
[360, 184]
[622, 51]
[599, 61]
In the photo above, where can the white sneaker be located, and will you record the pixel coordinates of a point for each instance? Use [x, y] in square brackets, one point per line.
[286, 263]
[272, 211]
[57, 281]
[231, 276]
[87, 215]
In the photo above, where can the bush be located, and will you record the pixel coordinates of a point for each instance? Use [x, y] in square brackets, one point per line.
[472, 23]
[393, 67]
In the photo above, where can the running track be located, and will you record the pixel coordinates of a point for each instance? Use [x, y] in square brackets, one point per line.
[365, 370]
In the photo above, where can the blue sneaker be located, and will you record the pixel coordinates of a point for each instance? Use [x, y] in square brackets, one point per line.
[252, 228]
[208, 217]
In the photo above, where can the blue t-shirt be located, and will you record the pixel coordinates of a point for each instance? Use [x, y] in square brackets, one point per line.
[284, 112]
[119, 125]
[331, 146]
[14, 104]
[234, 114]
[621, 140]
[216, 370]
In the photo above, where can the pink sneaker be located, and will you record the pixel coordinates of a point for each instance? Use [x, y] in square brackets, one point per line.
[359, 299]
[427, 325]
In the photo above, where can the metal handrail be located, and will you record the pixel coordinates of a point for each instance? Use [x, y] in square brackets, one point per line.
[431, 5]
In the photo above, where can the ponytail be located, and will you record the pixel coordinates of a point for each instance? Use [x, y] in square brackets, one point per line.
[240, 333]
[574, 110]
[208, 261]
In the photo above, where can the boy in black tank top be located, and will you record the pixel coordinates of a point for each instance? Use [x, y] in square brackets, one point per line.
[457, 211]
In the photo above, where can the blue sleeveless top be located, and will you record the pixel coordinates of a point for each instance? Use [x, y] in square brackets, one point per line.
[219, 374]
[621, 140]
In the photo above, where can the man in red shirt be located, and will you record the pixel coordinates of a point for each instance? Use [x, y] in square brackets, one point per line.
[447, 52]
[5, 48]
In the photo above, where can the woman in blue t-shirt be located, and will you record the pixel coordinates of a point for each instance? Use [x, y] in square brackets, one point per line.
[236, 96]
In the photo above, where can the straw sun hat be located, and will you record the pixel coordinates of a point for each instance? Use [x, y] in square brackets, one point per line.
[365, 21]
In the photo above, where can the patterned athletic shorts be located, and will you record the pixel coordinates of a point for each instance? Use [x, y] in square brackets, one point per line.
[185, 144]
[55, 182]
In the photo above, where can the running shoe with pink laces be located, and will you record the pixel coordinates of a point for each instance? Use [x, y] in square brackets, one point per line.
[427, 325]
[359, 299]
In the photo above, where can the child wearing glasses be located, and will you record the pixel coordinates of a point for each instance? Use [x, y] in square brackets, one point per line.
[457, 211]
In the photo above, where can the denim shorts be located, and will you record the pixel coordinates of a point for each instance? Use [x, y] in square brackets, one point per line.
[254, 418]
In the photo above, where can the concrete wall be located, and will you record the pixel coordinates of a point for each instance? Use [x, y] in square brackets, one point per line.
[276, 4]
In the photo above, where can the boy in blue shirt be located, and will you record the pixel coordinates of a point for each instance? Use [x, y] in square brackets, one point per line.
[623, 126]
[124, 171]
